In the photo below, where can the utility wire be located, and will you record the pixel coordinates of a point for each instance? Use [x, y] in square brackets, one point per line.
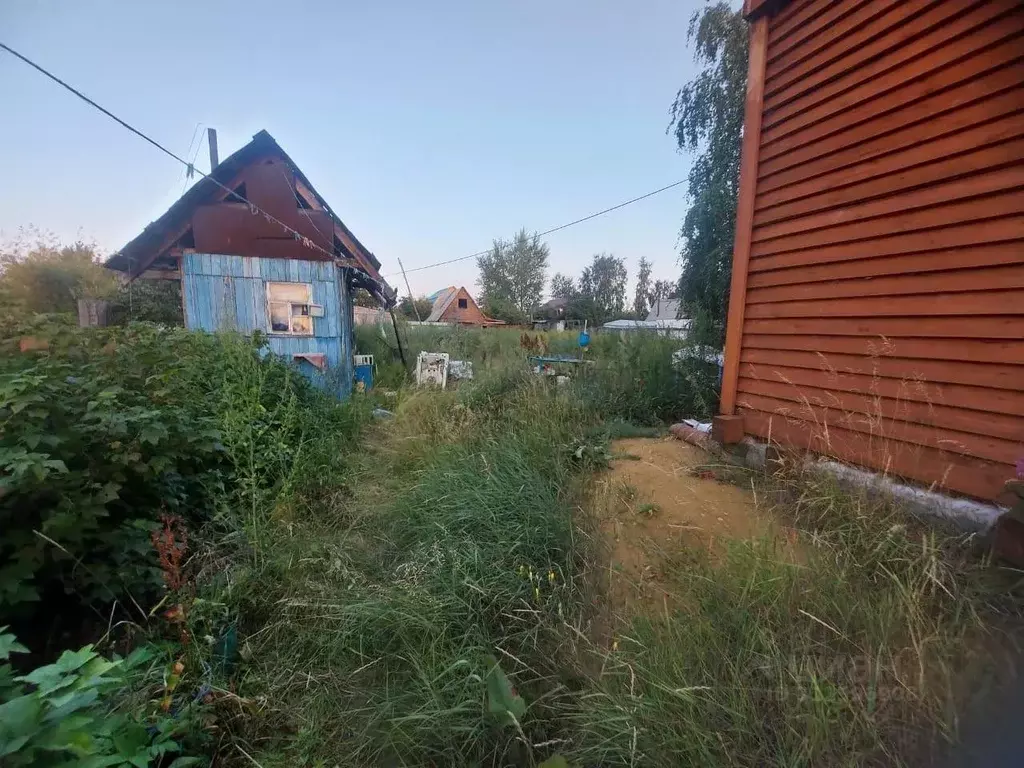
[256, 209]
[186, 176]
[552, 230]
[253, 207]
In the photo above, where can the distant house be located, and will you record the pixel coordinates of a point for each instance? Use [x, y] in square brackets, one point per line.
[550, 316]
[455, 305]
[663, 319]
[241, 269]
[665, 309]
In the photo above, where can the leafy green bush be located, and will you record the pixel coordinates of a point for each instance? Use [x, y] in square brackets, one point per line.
[104, 430]
[97, 435]
[79, 711]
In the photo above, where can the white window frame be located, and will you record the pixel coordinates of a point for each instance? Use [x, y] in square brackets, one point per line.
[308, 304]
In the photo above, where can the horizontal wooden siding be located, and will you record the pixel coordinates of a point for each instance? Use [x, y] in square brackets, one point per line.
[884, 313]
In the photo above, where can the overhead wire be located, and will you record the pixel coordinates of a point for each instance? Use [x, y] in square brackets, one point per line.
[298, 235]
[252, 206]
[553, 229]
[186, 175]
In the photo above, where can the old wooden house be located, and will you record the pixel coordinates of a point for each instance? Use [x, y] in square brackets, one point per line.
[877, 300]
[456, 305]
[258, 249]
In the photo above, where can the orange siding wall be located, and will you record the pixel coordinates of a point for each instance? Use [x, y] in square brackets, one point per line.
[883, 320]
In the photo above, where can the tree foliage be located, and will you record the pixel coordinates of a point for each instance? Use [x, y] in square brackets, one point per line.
[707, 121]
[643, 289]
[603, 287]
[154, 301]
[513, 273]
[45, 276]
[664, 289]
[415, 309]
[563, 286]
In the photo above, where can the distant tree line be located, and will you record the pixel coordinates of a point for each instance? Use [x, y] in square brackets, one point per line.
[39, 275]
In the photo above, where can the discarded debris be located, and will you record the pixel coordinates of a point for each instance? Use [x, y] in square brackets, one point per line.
[432, 368]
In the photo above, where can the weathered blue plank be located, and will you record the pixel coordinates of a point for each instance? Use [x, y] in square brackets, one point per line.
[223, 292]
[243, 304]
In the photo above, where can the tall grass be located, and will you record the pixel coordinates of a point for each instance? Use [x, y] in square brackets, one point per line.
[390, 605]
[641, 377]
[847, 645]
[386, 580]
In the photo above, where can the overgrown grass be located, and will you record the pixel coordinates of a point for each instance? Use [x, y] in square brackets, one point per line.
[355, 594]
[640, 378]
[850, 644]
[379, 646]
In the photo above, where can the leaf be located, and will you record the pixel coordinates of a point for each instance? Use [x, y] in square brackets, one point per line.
[9, 644]
[66, 704]
[502, 700]
[19, 718]
[555, 761]
[130, 740]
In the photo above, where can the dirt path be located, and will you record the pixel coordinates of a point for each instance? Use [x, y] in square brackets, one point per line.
[658, 499]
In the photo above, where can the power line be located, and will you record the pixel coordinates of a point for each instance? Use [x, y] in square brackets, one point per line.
[553, 229]
[252, 206]
[256, 209]
[186, 176]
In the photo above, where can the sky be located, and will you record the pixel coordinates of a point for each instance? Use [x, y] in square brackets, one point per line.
[431, 128]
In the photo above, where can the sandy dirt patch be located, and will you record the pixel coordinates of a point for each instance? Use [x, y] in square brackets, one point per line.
[658, 497]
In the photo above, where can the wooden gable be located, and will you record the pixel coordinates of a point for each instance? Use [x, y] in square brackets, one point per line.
[246, 207]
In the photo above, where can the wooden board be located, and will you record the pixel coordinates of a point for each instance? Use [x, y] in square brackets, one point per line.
[939, 281]
[994, 375]
[1006, 327]
[948, 259]
[968, 350]
[1009, 402]
[878, 408]
[882, 317]
[934, 469]
[988, 97]
[967, 236]
[897, 429]
[753, 109]
[869, 53]
[874, 100]
[968, 303]
[990, 146]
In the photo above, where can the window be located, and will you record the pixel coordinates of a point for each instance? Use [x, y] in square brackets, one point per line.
[289, 308]
[463, 304]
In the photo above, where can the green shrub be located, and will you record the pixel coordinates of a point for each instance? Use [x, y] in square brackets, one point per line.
[107, 429]
[80, 711]
[96, 437]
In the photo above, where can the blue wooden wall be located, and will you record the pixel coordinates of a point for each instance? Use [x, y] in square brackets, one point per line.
[224, 293]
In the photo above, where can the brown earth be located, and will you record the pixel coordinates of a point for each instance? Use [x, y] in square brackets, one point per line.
[660, 497]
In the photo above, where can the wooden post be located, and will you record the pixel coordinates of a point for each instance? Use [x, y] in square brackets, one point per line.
[411, 299]
[398, 338]
[92, 313]
[744, 212]
[211, 138]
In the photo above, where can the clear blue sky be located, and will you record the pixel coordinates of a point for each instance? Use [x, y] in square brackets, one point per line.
[430, 127]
